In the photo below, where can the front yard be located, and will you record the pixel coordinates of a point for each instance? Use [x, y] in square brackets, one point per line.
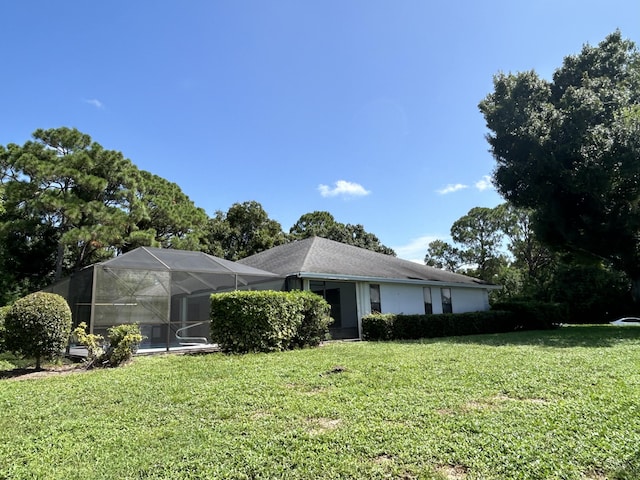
[534, 405]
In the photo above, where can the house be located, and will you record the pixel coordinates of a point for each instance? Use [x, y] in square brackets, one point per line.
[357, 282]
[167, 292]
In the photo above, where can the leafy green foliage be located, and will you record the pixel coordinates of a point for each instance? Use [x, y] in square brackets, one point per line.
[38, 326]
[170, 214]
[532, 316]
[245, 229]
[323, 224]
[68, 202]
[591, 292]
[314, 327]
[266, 321]
[569, 150]
[3, 314]
[92, 342]
[123, 342]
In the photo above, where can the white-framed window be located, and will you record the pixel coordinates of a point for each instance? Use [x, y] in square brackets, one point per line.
[428, 305]
[374, 294]
[447, 306]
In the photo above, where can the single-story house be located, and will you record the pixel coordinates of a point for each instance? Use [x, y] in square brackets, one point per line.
[167, 292]
[357, 282]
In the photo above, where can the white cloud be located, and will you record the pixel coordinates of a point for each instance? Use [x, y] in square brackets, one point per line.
[416, 249]
[484, 183]
[481, 185]
[343, 188]
[95, 102]
[452, 188]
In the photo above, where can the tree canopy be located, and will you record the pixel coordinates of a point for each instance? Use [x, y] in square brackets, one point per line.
[68, 202]
[569, 149]
[323, 224]
[245, 229]
[478, 238]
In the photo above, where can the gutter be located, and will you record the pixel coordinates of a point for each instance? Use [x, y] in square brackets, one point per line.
[406, 281]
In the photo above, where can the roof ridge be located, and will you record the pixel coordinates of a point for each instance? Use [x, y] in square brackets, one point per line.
[307, 253]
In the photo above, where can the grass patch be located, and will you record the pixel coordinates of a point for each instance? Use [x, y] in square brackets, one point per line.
[556, 404]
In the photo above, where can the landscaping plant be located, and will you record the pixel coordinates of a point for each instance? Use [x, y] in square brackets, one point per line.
[38, 326]
[123, 342]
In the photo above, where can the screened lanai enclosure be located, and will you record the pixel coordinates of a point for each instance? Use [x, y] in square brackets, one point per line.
[165, 291]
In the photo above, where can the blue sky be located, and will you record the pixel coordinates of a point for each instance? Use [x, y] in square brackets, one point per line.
[363, 108]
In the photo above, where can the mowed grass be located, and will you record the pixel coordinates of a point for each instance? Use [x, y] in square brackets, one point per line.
[563, 404]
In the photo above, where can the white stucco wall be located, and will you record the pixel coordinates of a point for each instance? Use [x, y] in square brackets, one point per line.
[396, 298]
[408, 299]
[469, 300]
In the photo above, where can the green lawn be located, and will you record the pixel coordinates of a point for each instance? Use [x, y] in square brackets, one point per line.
[562, 404]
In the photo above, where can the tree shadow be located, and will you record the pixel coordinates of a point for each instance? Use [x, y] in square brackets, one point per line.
[630, 469]
[588, 336]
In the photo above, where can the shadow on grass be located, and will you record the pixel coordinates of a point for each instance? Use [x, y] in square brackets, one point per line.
[12, 367]
[630, 469]
[589, 336]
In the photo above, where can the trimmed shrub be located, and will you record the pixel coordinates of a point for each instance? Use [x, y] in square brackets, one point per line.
[412, 327]
[266, 321]
[378, 326]
[534, 315]
[38, 326]
[315, 323]
[123, 342]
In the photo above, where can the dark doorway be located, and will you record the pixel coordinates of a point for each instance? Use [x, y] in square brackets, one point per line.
[342, 298]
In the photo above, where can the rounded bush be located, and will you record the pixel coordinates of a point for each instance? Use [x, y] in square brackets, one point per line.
[38, 326]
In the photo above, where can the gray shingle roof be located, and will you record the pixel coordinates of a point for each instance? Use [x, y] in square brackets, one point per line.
[322, 256]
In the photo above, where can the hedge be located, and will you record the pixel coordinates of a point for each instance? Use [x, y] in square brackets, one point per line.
[511, 317]
[265, 321]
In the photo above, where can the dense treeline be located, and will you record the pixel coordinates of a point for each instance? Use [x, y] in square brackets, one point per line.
[66, 202]
[568, 165]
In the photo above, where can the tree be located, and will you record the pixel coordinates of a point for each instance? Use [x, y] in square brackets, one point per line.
[314, 224]
[67, 202]
[533, 259]
[170, 217]
[480, 232]
[63, 181]
[323, 224]
[443, 255]
[38, 326]
[569, 149]
[245, 229]
[478, 237]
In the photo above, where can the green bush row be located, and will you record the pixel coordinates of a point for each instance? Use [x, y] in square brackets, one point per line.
[265, 321]
[508, 319]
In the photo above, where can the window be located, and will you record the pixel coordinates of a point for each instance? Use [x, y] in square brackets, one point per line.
[374, 293]
[428, 307]
[447, 307]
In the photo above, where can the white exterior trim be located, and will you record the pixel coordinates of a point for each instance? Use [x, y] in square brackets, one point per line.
[406, 281]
